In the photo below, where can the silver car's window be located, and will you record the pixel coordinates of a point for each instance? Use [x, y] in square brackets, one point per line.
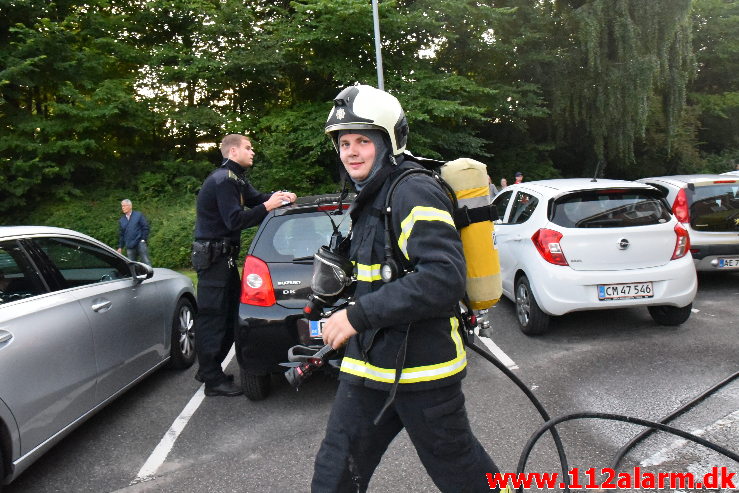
[609, 209]
[715, 207]
[296, 236]
[81, 263]
[17, 279]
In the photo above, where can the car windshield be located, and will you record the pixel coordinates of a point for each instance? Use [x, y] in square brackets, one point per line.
[612, 208]
[715, 207]
[295, 236]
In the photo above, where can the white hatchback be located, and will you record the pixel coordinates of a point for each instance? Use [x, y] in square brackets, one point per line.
[578, 244]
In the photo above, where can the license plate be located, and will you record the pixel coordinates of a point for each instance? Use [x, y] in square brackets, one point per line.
[316, 327]
[625, 291]
[728, 263]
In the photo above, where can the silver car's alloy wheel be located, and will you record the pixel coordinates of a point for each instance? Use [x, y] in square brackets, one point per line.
[187, 334]
[182, 339]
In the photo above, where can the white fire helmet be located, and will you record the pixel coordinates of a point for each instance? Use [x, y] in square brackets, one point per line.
[365, 107]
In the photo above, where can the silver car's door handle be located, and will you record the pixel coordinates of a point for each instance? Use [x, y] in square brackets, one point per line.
[103, 304]
[5, 336]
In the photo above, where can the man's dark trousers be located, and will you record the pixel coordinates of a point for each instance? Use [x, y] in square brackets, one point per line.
[139, 253]
[218, 303]
[436, 423]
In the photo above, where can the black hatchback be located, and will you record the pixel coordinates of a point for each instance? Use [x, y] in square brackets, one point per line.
[275, 286]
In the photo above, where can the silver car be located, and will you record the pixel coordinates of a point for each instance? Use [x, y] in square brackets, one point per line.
[79, 325]
[708, 207]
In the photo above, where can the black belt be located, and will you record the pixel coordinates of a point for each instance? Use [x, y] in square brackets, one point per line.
[222, 247]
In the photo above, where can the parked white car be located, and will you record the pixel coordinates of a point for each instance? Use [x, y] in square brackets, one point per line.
[708, 207]
[577, 244]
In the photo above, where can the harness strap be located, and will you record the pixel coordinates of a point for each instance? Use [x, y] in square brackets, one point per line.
[399, 364]
[463, 216]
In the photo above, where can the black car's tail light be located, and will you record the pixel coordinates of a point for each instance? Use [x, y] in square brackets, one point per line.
[256, 283]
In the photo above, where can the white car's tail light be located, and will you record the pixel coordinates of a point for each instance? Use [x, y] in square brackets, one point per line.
[256, 283]
[680, 207]
[546, 242]
[682, 242]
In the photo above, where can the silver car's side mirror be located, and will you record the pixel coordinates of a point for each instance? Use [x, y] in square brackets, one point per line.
[141, 272]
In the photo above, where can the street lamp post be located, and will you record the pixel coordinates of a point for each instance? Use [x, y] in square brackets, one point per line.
[378, 46]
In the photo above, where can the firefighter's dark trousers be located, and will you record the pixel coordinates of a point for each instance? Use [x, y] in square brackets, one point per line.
[218, 305]
[436, 422]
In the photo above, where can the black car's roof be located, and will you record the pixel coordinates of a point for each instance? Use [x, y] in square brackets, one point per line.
[311, 203]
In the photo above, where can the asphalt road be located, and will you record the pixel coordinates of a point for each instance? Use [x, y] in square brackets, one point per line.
[615, 361]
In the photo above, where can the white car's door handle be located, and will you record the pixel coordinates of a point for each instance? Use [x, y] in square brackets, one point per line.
[5, 336]
[103, 304]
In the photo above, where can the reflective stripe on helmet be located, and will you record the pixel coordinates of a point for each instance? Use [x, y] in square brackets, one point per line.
[420, 213]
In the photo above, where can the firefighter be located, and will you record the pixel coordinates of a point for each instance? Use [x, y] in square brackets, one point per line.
[404, 358]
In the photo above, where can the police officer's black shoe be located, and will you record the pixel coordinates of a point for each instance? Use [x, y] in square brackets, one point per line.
[200, 379]
[225, 388]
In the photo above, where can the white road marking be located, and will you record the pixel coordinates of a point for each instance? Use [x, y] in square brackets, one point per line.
[502, 357]
[666, 453]
[162, 450]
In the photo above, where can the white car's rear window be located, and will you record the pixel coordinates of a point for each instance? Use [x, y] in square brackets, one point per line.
[610, 209]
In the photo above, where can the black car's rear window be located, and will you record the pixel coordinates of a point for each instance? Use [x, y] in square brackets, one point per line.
[291, 236]
[609, 209]
[715, 207]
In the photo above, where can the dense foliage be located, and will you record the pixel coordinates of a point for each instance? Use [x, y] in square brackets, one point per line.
[131, 96]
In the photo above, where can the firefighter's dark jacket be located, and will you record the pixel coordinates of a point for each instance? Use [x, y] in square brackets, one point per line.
[221, 201]
[422, 301]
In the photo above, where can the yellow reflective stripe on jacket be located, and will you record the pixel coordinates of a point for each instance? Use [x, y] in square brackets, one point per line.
[420, 213]
[368, 273]
[412, 375]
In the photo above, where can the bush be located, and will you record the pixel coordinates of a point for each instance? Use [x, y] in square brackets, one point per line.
[172, 220]
[171, 217]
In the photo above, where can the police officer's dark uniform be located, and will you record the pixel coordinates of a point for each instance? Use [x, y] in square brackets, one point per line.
[406, 324]
[220, 217]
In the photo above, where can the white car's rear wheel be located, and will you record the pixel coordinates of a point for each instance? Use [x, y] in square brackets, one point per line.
[670, 315]
[531, 319]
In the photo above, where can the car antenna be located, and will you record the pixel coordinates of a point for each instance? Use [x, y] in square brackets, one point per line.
[597, 169]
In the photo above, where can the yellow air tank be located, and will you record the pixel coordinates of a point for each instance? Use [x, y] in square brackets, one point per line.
[469, 180]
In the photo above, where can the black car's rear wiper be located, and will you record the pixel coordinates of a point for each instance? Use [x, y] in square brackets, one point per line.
[303, 259]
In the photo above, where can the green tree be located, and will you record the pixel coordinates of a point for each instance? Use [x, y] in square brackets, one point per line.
[622, 57]
[716, 87]
[67, 104]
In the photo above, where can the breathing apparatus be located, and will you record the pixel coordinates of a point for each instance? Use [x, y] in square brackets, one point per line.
[333, 272]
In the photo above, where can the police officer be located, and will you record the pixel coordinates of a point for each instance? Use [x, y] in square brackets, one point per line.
[404, 357]
[220, 217]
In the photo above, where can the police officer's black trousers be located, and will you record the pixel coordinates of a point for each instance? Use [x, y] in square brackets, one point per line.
[218, 304]
[436, 422]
